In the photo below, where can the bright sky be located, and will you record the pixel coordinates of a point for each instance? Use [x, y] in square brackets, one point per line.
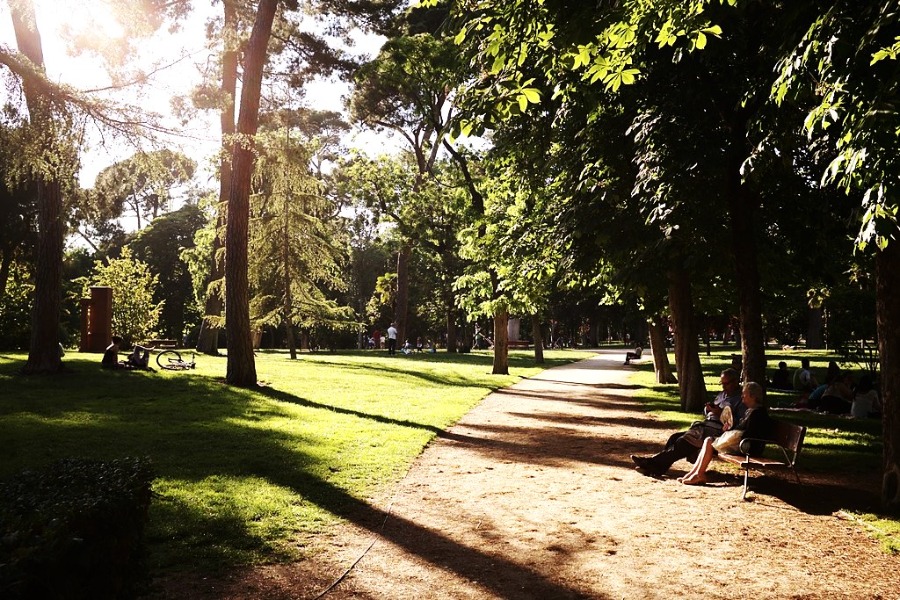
[185, 51]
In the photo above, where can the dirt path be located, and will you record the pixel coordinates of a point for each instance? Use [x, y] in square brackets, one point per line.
[532, 495]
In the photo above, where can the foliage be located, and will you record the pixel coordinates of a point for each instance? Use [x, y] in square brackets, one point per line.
[75, 530]
[135, 314]
[296, 240]
[141, 185]
[845, 69]
[15, 309]
[160, 246]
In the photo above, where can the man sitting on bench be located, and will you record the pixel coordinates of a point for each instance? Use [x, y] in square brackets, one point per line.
[636, 355]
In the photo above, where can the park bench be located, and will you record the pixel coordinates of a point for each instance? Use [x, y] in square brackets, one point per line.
[519, 344]
[635, 355]
[787, 438]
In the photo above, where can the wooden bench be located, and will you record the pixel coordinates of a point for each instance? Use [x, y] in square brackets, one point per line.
[786, 437]
[519, 344]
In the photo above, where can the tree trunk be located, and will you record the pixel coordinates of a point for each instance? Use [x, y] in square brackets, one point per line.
[208, 340]
[288, 297]
[742, 205]
[538, 337]
[241, 369]
[402, 305]
[451, 328]
[43, 352]
[657, 330]
[814, 338]
[691, 387]
[887, 310]
[501, 343]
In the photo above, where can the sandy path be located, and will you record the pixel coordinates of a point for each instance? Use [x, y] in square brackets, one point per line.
[533, 495]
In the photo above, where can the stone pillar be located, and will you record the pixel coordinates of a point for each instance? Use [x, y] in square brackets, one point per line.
[100, 319]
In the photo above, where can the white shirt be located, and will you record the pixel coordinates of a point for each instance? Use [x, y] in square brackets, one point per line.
[392, 333]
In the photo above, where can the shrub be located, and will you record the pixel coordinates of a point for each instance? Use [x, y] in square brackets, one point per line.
[75, 530]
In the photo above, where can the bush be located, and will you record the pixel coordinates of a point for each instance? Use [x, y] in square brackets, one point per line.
[75, 530]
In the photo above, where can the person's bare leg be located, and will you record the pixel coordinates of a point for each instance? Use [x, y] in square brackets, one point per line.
[698, 473]
[695, 468]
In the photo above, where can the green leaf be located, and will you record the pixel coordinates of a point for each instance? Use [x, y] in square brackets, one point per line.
[523, 102]
[532, 94]
[700, 42]
[499, 64]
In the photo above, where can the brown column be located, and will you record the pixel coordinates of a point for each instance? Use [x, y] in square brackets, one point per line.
[100, 319]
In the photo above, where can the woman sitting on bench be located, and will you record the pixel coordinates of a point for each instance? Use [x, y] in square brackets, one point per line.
[755, 424]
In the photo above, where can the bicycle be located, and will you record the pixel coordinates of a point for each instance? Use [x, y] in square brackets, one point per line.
[171, 360]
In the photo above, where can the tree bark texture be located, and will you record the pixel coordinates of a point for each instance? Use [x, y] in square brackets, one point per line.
[661, 366]
[451, 328]
[742, 207]
[241, 368]
[538, 338]
[887, 310]
[43, 351]
[501, 343]
[208, 340]
[691, 387]
[401, 306]
[815, 324]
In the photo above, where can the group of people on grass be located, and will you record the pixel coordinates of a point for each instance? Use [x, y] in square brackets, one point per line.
[374, 342]
[735, 408]
[139, 358]
[839, 393]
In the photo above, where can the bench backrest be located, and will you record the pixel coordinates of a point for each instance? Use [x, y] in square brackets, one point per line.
[790, 437]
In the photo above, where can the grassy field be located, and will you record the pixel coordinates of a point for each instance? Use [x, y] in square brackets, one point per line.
[248, 476]
[833, 444]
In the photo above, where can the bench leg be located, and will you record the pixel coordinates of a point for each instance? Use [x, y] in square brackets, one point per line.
[746, 482]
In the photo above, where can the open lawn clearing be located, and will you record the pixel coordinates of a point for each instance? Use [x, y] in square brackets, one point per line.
[246, 476]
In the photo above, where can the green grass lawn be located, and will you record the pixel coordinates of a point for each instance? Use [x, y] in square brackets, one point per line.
[833, 444]
[248, 476]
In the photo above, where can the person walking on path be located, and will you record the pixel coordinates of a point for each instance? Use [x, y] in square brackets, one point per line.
[392, 340]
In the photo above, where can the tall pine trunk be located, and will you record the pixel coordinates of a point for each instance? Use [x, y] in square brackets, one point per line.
[691, 387]
[887, 310]
[43, 352]
[208, 340]
[241, 367]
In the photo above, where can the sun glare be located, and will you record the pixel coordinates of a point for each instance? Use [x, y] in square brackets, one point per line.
[80, 19]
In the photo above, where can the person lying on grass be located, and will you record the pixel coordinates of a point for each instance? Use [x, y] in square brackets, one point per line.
[755, 423]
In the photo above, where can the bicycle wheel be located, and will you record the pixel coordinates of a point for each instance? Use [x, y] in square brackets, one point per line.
[170, 360]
